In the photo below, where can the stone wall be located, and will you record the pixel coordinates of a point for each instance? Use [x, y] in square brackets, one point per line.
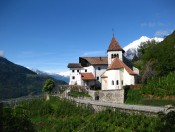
[94, 94]
[115, 96]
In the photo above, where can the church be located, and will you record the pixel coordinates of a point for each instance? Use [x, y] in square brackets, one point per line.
[111, 72]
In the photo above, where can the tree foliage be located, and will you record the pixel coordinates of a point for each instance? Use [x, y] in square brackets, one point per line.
[48, 86]
[156, 59]
[16, 120]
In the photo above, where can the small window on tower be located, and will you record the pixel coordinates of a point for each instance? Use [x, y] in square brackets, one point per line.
[99, 68]
[115, 55]
[112, 56]
[73, 77]
[77, 70]
[118, 55]
[97, 78]
[85, 70]
[122, 82]
[72, 70]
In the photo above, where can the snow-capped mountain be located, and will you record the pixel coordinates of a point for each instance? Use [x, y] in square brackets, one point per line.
[131, 49]
[59, 76]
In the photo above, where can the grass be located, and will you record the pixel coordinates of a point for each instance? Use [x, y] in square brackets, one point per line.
[64, 116]
[135, 96]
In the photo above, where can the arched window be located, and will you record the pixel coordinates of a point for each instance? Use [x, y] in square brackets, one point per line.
[115, 55]
[112, 82]
[116, 82]
[118, 55]
[112, 56]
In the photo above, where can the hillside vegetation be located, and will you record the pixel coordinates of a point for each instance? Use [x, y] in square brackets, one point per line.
[16, 80]
[156, 62]
[64, 116]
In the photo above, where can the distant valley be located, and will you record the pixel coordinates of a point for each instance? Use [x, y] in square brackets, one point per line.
[16, 80]
[64, 76]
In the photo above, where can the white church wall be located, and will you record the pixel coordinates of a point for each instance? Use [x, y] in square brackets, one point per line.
[99, 70]
[74, 76]
[88, 69]
[114, 80]
[104, 81]
[128, 79]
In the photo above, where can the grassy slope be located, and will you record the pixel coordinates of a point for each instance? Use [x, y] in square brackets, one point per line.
[61, 115]
[136, 97]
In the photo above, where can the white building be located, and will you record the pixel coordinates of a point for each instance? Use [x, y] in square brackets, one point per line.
[109, 73]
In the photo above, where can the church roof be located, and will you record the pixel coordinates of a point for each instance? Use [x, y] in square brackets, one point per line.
[117, 64]
[96, 60]
[87, 76]
[114, 45]
[74, 65]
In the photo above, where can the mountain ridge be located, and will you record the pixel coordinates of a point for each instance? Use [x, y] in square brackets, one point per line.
[17, 81]
[131, 48]
[57, 76]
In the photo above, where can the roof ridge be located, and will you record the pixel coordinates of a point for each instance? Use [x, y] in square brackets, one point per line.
[120, 64]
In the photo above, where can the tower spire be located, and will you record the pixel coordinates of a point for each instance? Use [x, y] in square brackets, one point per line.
[113, 32]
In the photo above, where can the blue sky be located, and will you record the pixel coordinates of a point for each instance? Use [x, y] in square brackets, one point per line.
[49, 34]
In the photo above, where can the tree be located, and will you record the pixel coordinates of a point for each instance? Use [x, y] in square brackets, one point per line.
[48, 86]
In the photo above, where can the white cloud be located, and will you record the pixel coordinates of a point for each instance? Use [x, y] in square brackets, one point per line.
[161, 33]
[94, 53]
[1, 53]
[64, 73]
[152, 24]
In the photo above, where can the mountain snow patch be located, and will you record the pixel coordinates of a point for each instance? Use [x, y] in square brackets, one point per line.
[131, 49]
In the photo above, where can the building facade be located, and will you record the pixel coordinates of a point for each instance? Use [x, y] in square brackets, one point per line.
[108, 73]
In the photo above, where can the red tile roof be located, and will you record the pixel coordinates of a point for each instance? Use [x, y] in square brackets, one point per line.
[115, 46]
[117, 64]
[87, 76]
[96, 60]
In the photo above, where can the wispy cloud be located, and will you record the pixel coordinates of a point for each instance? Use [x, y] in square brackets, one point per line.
[1, 53]
[161, 33]
[152, 24]
[94, 53]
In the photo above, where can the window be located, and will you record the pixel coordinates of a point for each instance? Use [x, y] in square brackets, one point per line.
[77, 70]
[122, 82]
[112, 56]
[118, 55]
[112, 82]
[85, 70]
[117, 82]
[72, 70]
[97, 78]
[73, 77]
[99, 68]
[115, 55]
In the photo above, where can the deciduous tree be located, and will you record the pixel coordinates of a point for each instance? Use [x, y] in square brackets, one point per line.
[48, 86]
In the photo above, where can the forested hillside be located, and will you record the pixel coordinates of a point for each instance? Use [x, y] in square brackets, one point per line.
[16, 80]
[156, 62]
